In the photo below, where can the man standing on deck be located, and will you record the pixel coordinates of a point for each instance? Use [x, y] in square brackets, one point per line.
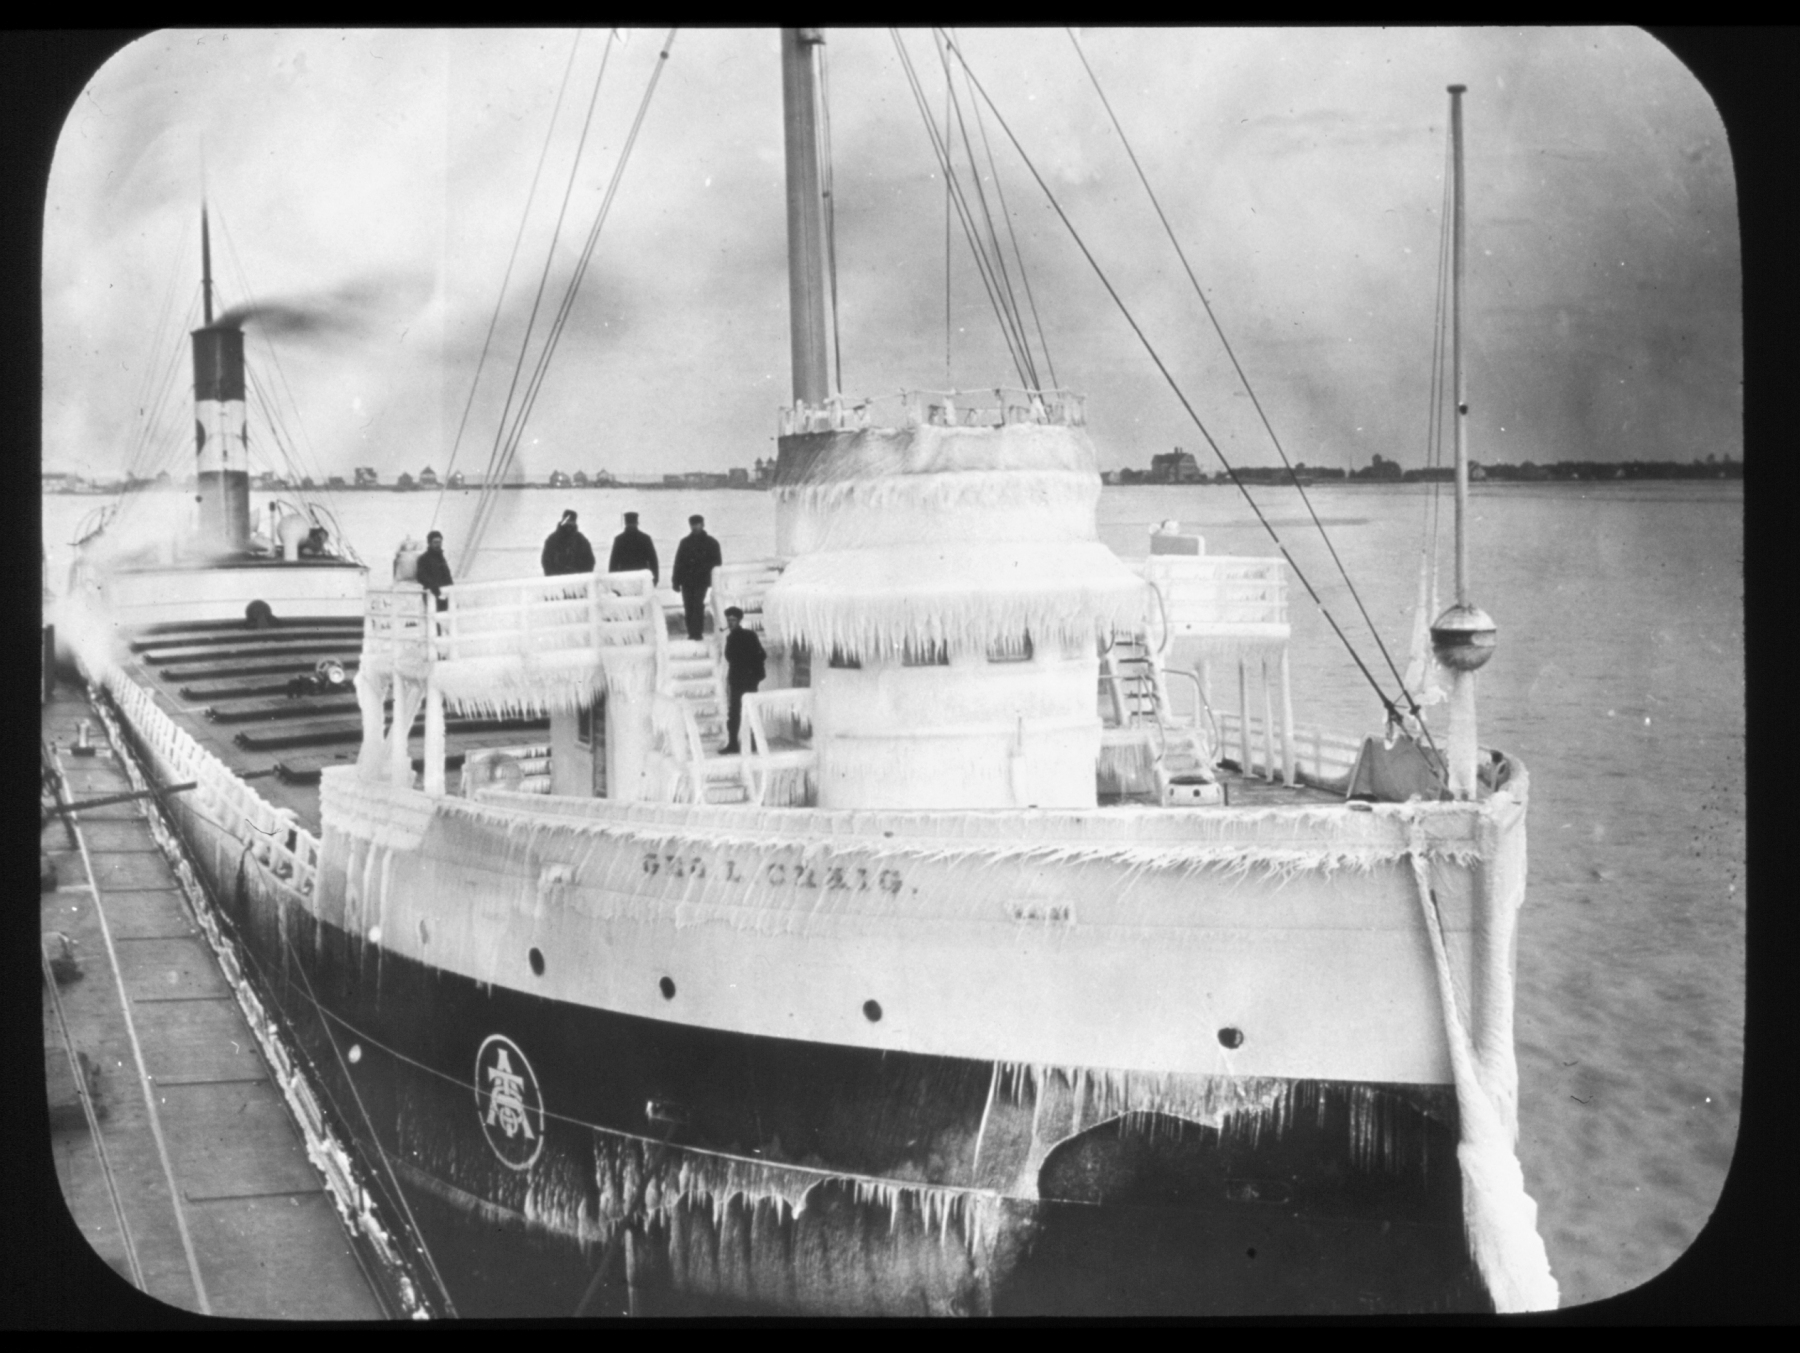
[633, 550]
[744, 671]
[695, 559]
[566, 550]
[432, 572]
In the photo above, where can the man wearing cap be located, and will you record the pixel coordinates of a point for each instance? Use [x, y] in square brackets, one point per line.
[744, 671]
[566, 550]
[695, 559]
[432, 572]
[633, 550]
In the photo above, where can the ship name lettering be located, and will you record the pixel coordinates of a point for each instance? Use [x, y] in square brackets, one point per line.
[506, 1105]
[651, 863]
[731, 873]
[777, 873]
[890, 880]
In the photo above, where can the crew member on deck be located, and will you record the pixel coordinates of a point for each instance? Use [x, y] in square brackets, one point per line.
[744, 671]
[633, 550]
[433, 570]
[695, 559]
[566, 550]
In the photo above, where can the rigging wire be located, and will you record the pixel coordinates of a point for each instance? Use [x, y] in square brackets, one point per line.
[506, 278]
[940, 149]
[574, 285]
[1305, 498]
[949, 383]
[485, 504]
[999, 260]
[151, 431]
[1005, 215]
[158, 336]
[1179, 393]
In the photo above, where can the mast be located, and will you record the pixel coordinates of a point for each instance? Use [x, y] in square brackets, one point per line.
[1463, 636]
[221, 441]
[806, 227]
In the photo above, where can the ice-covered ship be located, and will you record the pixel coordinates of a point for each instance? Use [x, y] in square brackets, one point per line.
[1032, 957]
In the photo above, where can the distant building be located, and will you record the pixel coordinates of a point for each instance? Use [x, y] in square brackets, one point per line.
[336, 481]
[765, 471]
[1175, 467]
[738, 477]
[559, 480]
[456, 479]
[428, 478]
[306, 482]
[404, 484]
[1380, 468]
[366, 478]
[581, 479]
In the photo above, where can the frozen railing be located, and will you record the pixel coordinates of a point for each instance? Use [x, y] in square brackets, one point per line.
[779, 762]
[1254, 745]
[404, 633]
[545, 615]
[1220, 595]
[998, 406]
[277, 842]
[743, 586]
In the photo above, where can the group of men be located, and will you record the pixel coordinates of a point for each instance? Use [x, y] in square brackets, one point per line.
[566, 550]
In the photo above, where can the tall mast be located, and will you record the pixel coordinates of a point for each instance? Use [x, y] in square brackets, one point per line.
[1456, 352]
[205, 265]
[806, 226]
[1463, 636]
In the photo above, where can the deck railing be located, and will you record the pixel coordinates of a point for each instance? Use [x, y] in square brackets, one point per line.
[999, 406]
[1323, 759]
[277, 841]
[1220, 595]
[405, 634]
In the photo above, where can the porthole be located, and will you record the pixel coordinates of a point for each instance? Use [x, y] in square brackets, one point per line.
[537, 962]
[872, 1011]
[1231, 1038]
[667, 987]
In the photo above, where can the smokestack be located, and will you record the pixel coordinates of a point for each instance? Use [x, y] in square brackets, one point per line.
[221, 439]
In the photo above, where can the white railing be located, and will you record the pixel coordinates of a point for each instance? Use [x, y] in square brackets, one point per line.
[1219, 594]
[404, 632]
[1323, 759]
[778, 761]
[278, 842]
[998, 406]
[743, 586]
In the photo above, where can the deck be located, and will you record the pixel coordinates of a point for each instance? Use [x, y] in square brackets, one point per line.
[174, 1147]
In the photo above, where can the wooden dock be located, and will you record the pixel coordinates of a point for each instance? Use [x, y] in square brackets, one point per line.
[174, 1147]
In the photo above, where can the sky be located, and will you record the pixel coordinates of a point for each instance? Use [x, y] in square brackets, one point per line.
[367, 188]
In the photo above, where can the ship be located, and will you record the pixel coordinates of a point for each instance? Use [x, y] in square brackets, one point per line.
[1005, 971]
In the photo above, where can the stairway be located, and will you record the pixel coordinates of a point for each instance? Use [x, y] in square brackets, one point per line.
[1132, 678]
[697, 683]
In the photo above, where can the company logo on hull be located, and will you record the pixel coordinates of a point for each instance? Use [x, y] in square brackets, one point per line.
[507, 1097]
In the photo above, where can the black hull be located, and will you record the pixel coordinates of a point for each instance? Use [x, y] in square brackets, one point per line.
[733, 1173]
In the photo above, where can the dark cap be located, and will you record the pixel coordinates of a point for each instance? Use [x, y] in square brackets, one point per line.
[696, 520]
[569, 515]
[733, 611]
[631, 519]
[433, 535]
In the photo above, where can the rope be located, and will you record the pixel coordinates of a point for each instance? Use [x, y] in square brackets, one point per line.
[587, 254]
[940, 149]
[999, 263]
[506, 278]
[498, 456]
[1024, 276]
[1244, 379]
[1180, 395]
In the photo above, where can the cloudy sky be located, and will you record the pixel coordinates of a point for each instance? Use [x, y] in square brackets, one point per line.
[367, 188]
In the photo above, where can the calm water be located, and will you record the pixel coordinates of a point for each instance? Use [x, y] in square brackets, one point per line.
[1619, 681]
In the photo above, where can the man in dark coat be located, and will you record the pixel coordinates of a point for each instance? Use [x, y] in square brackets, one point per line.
[633, 550]
[695, 559]
[566, 550]
[432, 572]
[744, 671]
